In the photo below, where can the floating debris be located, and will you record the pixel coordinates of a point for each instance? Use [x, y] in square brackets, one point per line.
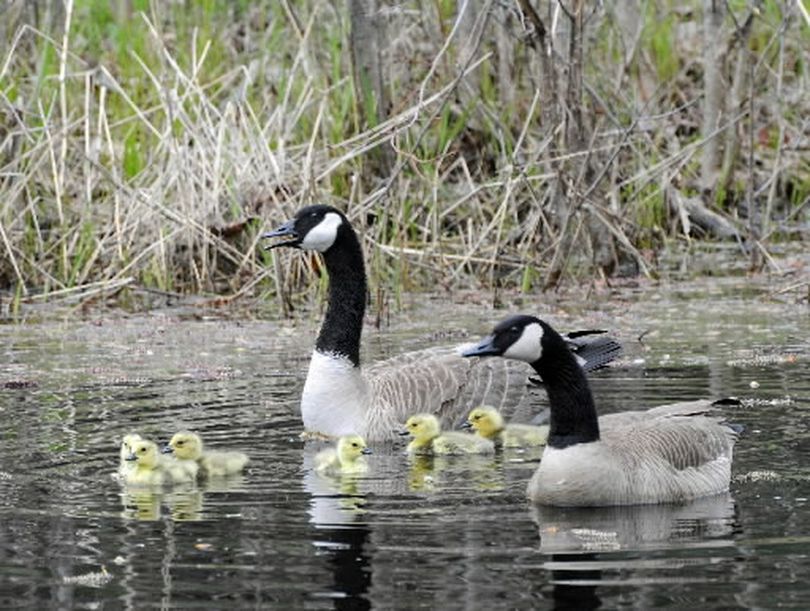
[19, 384]
[758, 476]
[763, 360]
[772, 401]
[92, 580]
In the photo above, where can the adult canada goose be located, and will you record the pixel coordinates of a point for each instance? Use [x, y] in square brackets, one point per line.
[340, 399]
[187, 447]
[346, 457]
[428, 439]
[488, 423]
[670, 453]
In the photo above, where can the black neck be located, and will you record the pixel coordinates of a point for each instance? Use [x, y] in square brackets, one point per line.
[573, 415]
[343, 324]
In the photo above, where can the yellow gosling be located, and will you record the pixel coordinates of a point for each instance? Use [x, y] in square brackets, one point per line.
[188, 446]
[346, 457]
[428, 439]
[124, 465]
[488, 423]
[147, 469]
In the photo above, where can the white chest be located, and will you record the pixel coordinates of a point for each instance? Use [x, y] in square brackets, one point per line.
[334, 398]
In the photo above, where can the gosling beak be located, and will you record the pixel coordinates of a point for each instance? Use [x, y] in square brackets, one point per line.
[486, 347]
[402, 432]
[287, 230]
[366, 451]
[466, 425]
[167, 449]
[131, 457]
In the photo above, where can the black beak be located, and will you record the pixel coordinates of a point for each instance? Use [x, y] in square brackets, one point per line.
[366, 451]
[486, 347]
[402, 432]
[131, 457]
[287, 230]
[167, 449]
[466, 425]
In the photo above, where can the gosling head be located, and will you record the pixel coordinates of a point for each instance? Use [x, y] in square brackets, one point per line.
[144, 453]
[186, 445]
[350, 448]
[423, 427]
[313, 228]
[518, 337]
[126, 445]
[486, 421]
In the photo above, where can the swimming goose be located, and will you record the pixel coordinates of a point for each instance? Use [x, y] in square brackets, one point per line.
[341, 399]
[670, 453]
[187, 447]
[346, 457]
[488, 423]
[428, 439]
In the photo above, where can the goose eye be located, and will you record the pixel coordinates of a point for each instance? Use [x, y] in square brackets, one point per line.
[354, 445]
[180, 443]
[142, 450]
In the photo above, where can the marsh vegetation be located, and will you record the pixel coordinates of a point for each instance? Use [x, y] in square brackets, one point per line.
[145, 145]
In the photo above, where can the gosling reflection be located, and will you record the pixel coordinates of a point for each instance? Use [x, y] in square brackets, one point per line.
[147, 505]
[430, 473]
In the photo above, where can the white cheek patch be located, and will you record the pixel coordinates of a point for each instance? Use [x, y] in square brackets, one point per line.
[323, 235]
[528, 347]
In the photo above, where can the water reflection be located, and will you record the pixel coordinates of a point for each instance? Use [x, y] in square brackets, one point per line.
[588, 529]
[436, 533]
[337, 508]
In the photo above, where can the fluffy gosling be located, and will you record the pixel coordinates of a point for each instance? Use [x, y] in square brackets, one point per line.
[147, 469]
[345, 458]
[187, 447]
[428, 439]
[488, 423]
[124, 465]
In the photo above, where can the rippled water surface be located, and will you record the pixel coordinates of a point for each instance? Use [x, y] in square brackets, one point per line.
[441, 534]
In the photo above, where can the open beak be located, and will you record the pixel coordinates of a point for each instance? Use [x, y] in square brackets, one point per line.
[366, 451]
[402, 432]
[466, 425]
[287, 231]
[131, 457]
[486, 347]
[167, 449]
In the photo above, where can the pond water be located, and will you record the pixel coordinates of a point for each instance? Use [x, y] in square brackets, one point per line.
[442, 534]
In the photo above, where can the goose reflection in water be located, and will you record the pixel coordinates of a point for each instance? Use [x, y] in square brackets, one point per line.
[633, 527]
[337, 512]
[581, 541]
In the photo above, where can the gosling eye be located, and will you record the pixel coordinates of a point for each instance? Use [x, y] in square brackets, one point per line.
[142, 450]
[477, 417]
[180, 443]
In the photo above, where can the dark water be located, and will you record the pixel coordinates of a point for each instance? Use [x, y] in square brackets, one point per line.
[446, 534]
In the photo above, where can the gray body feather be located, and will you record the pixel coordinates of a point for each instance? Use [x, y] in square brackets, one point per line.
[669, 454]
